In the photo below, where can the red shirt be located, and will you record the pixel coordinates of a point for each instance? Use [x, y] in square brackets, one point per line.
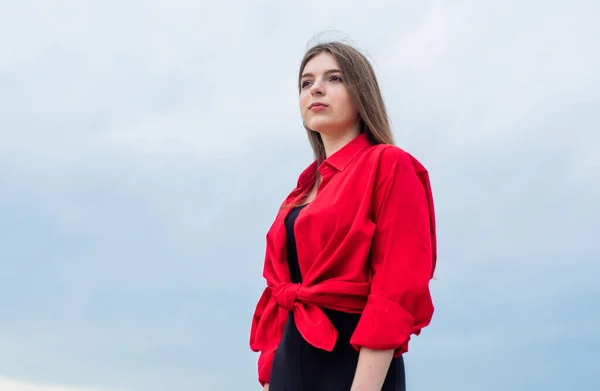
[366, 244]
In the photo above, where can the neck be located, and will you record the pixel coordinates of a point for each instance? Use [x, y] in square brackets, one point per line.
[334, 143]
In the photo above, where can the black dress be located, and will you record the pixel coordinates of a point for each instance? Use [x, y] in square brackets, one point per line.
[298, 366]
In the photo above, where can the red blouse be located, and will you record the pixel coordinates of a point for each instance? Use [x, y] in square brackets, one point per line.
[366, 244]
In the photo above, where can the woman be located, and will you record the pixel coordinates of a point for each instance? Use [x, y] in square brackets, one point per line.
[351, 252]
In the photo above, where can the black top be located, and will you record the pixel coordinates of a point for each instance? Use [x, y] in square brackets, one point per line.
[292, 254]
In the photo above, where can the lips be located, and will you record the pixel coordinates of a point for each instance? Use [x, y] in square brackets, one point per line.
[317, 104]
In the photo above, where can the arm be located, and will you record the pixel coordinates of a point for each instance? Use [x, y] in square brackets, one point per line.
[402, 256]
[371, 370]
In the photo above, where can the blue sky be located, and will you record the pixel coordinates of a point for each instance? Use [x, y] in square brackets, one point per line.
[145, 147]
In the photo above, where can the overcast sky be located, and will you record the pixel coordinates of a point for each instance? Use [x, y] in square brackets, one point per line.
[145, 147]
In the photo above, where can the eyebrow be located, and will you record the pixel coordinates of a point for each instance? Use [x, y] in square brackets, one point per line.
[326, 73]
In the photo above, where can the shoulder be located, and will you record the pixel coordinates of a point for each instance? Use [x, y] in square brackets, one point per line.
[391, 158]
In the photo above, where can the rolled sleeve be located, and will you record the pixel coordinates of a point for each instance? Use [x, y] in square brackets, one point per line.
[401, 257]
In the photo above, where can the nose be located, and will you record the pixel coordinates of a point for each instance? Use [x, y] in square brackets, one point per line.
[317, 88]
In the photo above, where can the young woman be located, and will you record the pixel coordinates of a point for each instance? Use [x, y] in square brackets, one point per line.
[351, 252]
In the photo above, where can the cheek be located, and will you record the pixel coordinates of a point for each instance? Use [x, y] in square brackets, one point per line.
[302, 102]
[346, 106]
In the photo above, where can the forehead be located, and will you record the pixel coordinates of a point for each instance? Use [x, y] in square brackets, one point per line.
[320, 63]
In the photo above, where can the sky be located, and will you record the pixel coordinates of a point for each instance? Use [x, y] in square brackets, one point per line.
[145, 147]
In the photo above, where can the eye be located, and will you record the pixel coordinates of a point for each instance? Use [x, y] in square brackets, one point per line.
[335, 78]
[305, 84]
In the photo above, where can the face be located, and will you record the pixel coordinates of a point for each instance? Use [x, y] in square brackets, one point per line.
[325, 102]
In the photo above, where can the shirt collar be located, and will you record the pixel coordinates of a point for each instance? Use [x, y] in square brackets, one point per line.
[339, 160]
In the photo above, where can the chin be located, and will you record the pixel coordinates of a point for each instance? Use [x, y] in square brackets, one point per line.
[321, 126]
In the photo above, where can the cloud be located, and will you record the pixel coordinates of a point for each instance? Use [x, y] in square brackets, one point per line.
[18, 385]
[479, 69]
[95, 87]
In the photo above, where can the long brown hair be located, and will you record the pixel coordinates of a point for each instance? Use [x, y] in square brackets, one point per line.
[361, 82]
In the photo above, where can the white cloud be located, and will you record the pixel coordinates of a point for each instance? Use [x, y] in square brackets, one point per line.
[132, 76]
[7, 384]
[481, 69]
